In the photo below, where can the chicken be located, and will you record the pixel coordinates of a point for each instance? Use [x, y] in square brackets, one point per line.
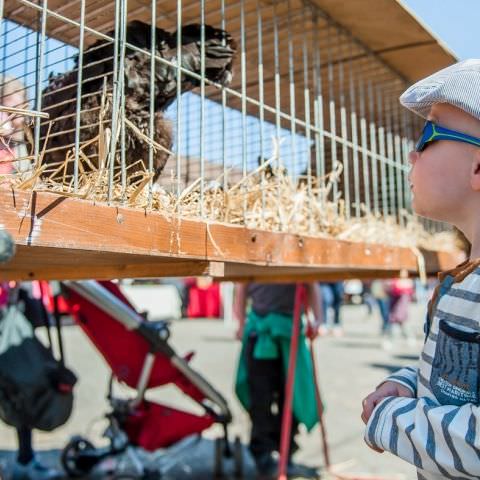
[59, 97]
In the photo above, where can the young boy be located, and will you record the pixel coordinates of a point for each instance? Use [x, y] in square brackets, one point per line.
[429, 415]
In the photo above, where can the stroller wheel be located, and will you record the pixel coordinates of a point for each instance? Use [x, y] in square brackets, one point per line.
[71, 454]
[238, 457]
[218, 458]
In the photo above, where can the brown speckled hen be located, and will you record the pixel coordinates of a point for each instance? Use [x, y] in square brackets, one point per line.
[59, 97]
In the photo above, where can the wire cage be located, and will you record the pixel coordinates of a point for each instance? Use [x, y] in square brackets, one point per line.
[261, 113]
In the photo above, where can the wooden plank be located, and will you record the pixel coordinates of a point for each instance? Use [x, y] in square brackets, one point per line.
[435, 262]
[50, 220]
[278, 275]
[270, 248]
[50, 263]
[58, 236]
[154, 269]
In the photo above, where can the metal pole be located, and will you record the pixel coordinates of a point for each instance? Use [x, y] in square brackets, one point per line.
[373, 148]
[300, 297]
[354, 126]
[344, 134]
[261, 111]
[224, 109]
[390, 155]
[381, 146]
[121, 93]
[306, 97]
[333, 126]
[79, 96]
[39, 79]
[318, 104]
[399, 162]
[244, 101]
[115, 104]
[151, 118]
[179, 103]
[278, 105]
[365, 159]
[291, 77]
[202, 108]
[4, 33]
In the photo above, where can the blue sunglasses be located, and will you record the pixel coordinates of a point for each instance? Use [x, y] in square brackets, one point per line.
[433, 132]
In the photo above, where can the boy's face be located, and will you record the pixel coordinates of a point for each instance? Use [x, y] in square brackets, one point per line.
[441, 175]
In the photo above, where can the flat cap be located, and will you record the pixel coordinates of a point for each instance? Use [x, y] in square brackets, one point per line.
[458, 85]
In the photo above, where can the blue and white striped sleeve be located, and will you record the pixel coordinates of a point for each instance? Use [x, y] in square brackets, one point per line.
[441, 439]
[407, 377]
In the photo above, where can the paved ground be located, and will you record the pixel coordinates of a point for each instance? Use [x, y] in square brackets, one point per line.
[349, 368]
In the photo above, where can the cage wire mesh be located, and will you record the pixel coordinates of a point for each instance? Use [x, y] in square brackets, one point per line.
[265, 114]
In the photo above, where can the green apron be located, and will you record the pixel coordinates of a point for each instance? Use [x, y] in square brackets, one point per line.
[274, 334]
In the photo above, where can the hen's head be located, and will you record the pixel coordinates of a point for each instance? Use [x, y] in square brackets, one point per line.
[220, 50]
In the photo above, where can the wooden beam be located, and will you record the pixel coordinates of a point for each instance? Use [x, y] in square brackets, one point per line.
[106, 272]
[50, 263]
[297, 275]
[435, 262]
[60, 237]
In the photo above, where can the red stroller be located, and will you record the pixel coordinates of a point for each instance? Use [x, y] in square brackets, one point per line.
[139, 355]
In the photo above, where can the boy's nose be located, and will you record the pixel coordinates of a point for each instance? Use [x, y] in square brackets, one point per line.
[412, 157]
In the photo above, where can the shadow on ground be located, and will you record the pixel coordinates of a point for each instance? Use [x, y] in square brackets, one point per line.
[192, 458]
[386, 366]
[411, 358]
[354, 344]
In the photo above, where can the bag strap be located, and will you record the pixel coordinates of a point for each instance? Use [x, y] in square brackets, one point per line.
[13, 293]
[58, 326]
[46, 317]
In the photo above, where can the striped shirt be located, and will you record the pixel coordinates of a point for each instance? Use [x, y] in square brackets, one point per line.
[438, 430]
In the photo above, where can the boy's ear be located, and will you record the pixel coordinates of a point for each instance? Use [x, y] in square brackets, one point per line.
[475, 173]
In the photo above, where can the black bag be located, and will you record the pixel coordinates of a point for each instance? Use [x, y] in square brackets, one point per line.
[36, 390]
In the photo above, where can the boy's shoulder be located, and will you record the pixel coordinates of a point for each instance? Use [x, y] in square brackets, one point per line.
[464, 292]
[468, 279]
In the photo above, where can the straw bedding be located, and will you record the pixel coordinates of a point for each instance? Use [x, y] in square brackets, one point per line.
[273, 202]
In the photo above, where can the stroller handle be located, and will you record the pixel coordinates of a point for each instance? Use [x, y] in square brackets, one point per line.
[130, 319]
[106, 301]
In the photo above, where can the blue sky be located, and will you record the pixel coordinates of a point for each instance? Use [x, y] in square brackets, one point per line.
[455, 22]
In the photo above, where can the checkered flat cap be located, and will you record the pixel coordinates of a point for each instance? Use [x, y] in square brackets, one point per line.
[458, 85]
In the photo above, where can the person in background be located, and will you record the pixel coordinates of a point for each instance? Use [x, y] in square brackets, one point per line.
[332, 298]
[367, 297]
[265, 318]
[400, 294]
[379, 291]
[13, 151]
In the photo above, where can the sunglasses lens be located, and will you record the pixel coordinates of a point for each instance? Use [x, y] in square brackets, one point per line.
[422, 141]
[420, 146]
